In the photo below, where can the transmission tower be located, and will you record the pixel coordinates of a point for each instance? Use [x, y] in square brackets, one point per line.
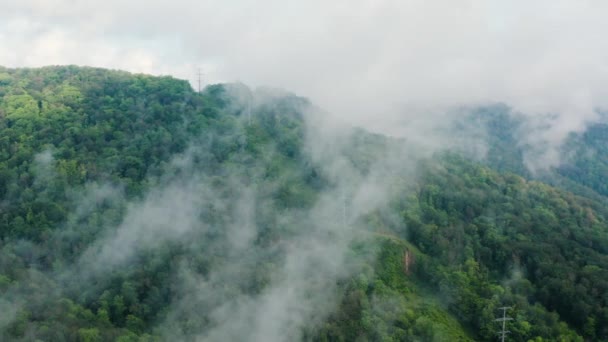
[199, 74]
[503, 333]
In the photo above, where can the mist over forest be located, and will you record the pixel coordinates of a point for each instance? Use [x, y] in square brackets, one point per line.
[419, 170]
[135, 208]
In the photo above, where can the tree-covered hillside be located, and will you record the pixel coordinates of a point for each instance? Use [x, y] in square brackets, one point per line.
[133, 208]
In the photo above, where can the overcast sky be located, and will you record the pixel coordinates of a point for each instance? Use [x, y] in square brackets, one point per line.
[377, 62]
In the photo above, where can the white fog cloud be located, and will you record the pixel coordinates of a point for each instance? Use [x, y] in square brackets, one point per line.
[380, 64]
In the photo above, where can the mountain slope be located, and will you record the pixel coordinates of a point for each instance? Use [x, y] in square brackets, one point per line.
[133, 208]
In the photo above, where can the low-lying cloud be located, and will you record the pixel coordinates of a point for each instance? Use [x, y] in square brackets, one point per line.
[379, 64]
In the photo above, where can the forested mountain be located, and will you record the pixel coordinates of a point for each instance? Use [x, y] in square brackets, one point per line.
[133, 208]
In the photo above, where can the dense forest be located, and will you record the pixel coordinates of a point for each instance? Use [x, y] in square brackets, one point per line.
[133, 208]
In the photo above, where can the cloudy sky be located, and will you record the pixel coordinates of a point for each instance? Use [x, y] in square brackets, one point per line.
[359, 59]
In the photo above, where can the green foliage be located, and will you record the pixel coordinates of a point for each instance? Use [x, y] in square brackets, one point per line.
[89, 335]
[385, 304]
[65, 132]
[478, 239]
[540, 244]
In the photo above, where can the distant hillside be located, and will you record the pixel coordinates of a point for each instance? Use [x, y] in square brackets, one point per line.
[133, 208]
[583, 168]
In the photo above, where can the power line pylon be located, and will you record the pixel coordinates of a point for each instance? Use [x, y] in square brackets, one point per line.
[503, 333]
[199, 74]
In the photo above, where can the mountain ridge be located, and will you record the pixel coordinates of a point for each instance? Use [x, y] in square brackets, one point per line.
[147, 189]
